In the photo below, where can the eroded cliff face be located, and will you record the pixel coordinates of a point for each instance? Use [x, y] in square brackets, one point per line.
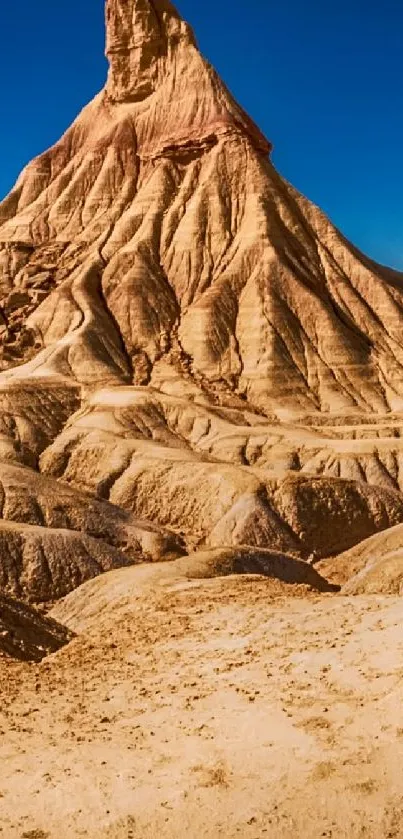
[181, 331]
[142, 41]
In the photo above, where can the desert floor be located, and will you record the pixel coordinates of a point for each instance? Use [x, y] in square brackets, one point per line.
[221, 708]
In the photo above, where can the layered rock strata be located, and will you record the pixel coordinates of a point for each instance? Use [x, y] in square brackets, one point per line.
[181, 332]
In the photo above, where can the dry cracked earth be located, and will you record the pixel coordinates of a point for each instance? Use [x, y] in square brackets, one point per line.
[201, 479]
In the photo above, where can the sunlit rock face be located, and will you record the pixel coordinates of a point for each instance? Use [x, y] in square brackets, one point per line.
[142, 38]
[181, 332]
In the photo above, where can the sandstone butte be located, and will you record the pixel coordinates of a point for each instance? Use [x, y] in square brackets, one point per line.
[192, 357]
[201, 480]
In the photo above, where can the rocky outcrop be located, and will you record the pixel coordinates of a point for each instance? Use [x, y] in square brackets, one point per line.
[164, 228]
[27, 635]
[38, 500]
[180, 329]
[39, 564]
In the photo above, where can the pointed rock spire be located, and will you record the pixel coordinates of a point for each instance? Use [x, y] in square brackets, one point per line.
[179, 326]
[151, 50]
[139, 35]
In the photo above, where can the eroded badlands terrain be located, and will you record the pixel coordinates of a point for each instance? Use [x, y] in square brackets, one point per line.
[201, 478]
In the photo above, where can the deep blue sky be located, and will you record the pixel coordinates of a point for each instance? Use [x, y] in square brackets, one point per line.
[323, 79]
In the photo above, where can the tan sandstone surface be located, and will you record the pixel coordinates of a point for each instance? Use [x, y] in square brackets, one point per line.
[166, 195]
[201, 415]
[182, 333]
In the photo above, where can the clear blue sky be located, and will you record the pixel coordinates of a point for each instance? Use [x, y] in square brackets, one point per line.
[323, 79]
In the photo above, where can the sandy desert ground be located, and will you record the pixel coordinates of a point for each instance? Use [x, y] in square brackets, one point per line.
[230, 707]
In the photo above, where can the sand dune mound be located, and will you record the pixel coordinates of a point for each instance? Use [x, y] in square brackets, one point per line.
[380, 576]
[223, 562]
[117, 591]
[375, 566]
[26, 634]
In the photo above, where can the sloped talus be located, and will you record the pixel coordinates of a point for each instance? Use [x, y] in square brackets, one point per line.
[180, 328]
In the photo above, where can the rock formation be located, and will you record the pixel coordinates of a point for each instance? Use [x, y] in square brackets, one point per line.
[26, 634]
[182, 332]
